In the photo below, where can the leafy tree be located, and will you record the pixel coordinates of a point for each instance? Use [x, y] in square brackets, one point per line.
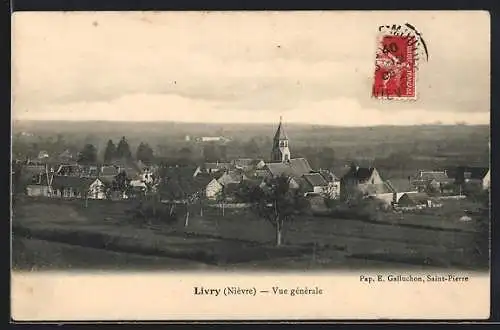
[121, 183]
[144, 153]
[110, 152]
[178, 188]
[150, 209]
[123, 149]
[88, 155]
[277, 203]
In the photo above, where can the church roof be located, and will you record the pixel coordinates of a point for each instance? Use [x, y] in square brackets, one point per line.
[296, 167]
[280, 133]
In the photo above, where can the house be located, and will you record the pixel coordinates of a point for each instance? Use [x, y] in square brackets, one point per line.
[295, 167]
[138, 185]
[179, 184]
[231, 177]
[221, 139]
[130, 167]
[229, 182]
[69, 170]
[437, 181]
[78, 187]
[212, 189]
[213, 168]
[40, 185]
[109, 171]
[333, 188]
[90, 171]
[400, 187]
[28, 171]
[365, 181]
[315, 183]
[416, 201]
[247, 164]
[43, 155]
[147, 175]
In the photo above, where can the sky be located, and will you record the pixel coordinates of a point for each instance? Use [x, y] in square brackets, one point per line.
[243, 67]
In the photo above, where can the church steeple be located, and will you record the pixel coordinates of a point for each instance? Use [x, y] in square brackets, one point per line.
[281, 150]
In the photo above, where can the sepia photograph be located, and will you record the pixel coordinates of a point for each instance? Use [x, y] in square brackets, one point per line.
[205, 143]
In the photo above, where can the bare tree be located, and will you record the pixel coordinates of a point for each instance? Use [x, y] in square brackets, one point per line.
[277, 202]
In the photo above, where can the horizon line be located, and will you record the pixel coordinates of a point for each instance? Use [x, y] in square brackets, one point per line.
[242, 123]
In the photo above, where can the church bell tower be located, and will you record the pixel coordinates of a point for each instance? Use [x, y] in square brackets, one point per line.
[281, 150]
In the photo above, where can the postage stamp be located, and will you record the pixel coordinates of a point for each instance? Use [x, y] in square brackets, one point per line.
[398, 51]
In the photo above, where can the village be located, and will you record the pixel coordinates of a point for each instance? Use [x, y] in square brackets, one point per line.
[215, 180]
[214, 192]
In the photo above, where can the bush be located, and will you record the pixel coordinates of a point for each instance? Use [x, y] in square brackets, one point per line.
[150, 210]
[362, 209]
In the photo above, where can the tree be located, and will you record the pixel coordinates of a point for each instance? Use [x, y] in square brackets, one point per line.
[277, 203]
[178, 188]
[88, 155]
[121, 183]
[110, 152]
[221, 199]
[144, 153]
[123, 149]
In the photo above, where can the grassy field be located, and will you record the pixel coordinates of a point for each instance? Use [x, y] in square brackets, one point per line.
[68, 231]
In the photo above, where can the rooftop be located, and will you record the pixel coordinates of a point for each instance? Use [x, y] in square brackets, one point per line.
[296, 167]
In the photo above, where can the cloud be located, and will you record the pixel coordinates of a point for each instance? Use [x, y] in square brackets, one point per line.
[339, 112]
[237, 62]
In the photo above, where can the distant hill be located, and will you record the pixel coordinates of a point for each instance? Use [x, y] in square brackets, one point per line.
[426, 145]
[175, 128]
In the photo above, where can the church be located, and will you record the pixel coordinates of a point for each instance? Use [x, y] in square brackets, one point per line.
[281, 150]
[303, 176]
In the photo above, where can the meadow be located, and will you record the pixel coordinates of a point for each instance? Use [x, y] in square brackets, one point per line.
[240, 240]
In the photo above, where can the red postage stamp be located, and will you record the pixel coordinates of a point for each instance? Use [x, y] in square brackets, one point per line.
[395, 68]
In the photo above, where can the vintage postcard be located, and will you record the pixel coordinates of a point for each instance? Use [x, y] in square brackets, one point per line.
[313, 165]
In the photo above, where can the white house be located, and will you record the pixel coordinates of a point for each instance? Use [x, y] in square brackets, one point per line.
[78, 187]
[43, 154]
[212, 189]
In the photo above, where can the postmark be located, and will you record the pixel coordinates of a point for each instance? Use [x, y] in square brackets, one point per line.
[399, 49]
